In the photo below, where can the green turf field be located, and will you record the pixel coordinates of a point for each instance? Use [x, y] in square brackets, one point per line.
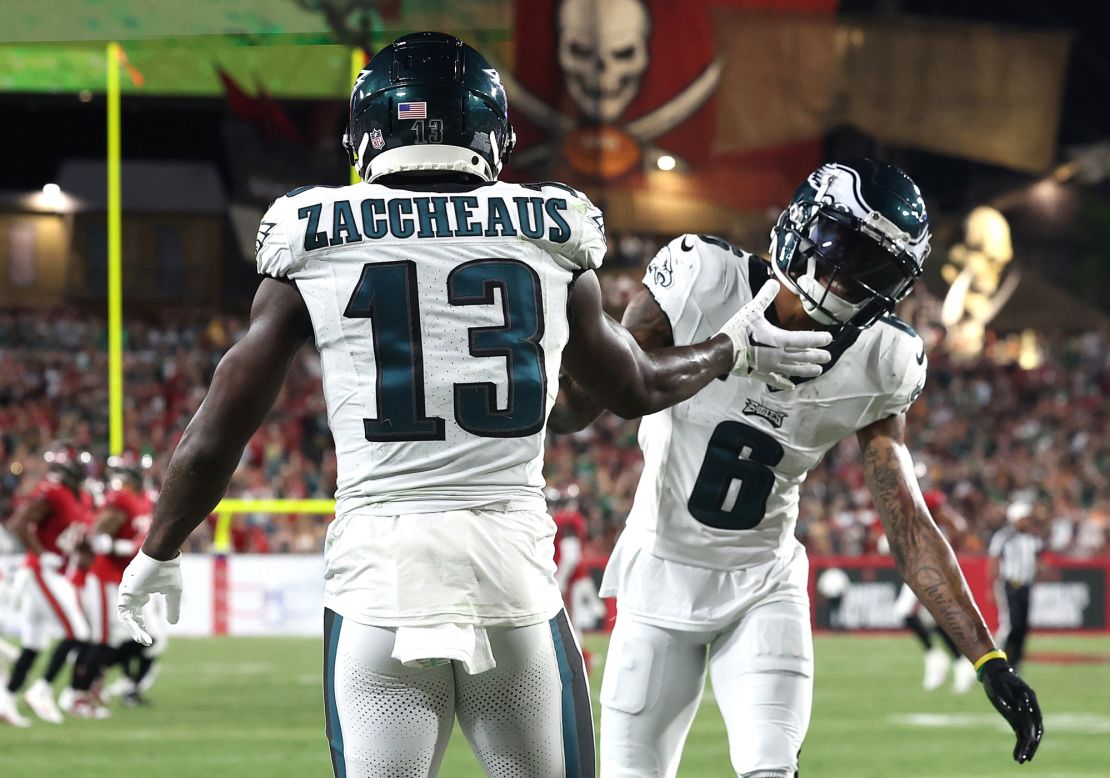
[251, 707]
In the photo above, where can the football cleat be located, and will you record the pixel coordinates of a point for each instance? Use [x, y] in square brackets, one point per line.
[9, 711]
[852, 241]
[82, 706]
[65, 698]
[118, 688]
[426, 103]
[936, 668]
[963, 676]
[40, 699]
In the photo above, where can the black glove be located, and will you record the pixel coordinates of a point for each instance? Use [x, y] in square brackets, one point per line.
[1017, 703]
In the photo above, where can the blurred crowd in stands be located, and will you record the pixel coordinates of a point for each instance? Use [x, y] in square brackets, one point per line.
[984, 434]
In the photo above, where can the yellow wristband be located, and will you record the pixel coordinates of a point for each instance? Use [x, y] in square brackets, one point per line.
[995, 654]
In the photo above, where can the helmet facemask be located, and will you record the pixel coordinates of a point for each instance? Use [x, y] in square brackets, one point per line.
[847, 271]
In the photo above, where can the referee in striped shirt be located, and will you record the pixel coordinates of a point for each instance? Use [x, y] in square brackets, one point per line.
[1013, 566]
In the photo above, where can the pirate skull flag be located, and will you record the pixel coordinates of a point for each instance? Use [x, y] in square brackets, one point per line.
[603, 88]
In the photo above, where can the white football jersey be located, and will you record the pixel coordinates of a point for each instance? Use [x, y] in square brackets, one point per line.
[722, 470]
[440, 317]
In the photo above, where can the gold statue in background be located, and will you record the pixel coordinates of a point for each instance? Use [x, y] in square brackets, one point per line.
[974, 273]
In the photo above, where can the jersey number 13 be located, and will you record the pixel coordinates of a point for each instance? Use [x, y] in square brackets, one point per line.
[387, 295]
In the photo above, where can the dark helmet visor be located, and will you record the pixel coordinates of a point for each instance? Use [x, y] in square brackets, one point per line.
[859, 261]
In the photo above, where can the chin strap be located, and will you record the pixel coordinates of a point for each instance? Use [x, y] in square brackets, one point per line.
[832, 310]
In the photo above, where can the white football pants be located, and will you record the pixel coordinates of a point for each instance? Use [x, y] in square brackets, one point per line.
[528, 716]
[49, 608]
[762, 678]
[99, 601]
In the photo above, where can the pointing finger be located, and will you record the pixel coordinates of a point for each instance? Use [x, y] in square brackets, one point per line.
[766, 294]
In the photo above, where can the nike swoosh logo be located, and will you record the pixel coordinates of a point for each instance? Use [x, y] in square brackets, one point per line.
[684, 246]
[921, 356]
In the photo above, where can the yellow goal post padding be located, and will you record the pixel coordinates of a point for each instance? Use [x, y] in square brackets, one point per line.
[221, 536]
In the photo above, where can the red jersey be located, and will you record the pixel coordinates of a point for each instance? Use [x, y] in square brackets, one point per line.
[67, 510]
[137, 507]
[569, 523]
[934, 499]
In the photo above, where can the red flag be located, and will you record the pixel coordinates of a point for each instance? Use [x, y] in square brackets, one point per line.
[274, 118]
[241, 103]
[603, 89]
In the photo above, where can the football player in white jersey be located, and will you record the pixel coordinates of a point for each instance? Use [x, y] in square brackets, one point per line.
[443, 304]
[707, 571]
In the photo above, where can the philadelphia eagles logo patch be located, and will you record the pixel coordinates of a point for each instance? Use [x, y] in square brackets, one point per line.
[661, 270]
[264, 230]
[773, 417]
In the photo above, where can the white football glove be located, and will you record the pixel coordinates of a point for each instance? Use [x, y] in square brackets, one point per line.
[48, 560]
[769, 353]
[101, 544]
[143, 577]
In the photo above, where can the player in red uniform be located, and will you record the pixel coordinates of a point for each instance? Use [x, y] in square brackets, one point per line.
[116, 536]
[50, 525]
[570, 538]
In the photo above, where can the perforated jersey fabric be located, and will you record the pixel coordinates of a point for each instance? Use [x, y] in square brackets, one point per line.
[511, 715]
[523, 718]
[394, 725]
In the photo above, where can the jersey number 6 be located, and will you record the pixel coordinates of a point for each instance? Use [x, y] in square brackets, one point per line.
[735, 479]
[387, 295]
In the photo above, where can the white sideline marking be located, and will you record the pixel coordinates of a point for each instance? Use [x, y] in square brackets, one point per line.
[1083, 723]
[234, 668]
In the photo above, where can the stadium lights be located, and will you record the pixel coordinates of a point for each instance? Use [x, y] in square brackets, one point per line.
[52, 198]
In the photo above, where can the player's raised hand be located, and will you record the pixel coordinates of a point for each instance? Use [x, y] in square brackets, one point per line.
[142, 578]
[769, 353]
[1017, 703]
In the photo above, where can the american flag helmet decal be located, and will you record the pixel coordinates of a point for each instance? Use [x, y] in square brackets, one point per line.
[412, 110]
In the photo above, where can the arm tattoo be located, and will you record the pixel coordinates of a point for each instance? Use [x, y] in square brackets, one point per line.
[923, 556]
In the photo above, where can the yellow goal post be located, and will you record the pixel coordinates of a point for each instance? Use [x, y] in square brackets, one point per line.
[221, 538]
[221, 535]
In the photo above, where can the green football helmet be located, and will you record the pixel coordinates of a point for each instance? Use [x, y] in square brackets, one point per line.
[428, 103]
[851, 242]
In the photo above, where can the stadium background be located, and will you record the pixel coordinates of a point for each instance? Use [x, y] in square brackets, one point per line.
[722, 106]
